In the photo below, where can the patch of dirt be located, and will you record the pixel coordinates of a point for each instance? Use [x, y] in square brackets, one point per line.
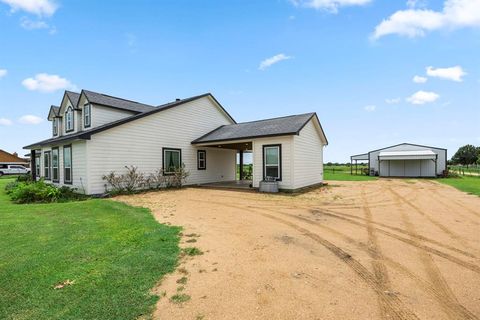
[381, 249]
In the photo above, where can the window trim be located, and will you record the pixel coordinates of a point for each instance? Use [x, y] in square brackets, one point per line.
[58, 165]
[85, 107]
[264, 166]
[65, 181]
[163, 159]
[55, 127]
[204, 160]
[69, 109]
[38, 159]
[49, 153]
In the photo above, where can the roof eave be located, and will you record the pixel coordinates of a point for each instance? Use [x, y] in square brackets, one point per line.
[247, 137]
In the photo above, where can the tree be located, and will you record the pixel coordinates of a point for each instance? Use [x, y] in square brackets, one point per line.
[478, 155]
[466, 155]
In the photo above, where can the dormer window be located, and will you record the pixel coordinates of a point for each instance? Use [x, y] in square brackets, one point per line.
[69, 119]
[55, 126]
[87, 115]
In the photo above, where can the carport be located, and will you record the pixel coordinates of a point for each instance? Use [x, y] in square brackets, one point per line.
[417, 163]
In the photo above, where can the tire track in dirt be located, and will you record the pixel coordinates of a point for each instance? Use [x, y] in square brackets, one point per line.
[393, 306]
[431, 269]
[379, 269]
[399, 230]
[453, 306]
[452, 234]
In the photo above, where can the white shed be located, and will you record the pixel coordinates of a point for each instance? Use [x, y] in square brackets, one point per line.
[407, 160]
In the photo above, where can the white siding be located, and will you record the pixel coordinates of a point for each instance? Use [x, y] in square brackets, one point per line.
[427, 166]
[308, 156]
[140, 143]
[287, 160]
[79, 166]
[102, 115]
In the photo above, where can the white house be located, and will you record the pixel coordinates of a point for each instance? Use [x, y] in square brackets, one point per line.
[94, 134]
[405, 160]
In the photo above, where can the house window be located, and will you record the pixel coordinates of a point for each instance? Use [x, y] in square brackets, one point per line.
[37, 166]
[67, 164]
[87, 115]
[69, 119]
[47, 164]
[272, 162]
[172, 160]
[55, 126]
[201, 160]
[55, 161]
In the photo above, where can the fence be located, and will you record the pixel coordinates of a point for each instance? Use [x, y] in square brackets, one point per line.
[471, 170]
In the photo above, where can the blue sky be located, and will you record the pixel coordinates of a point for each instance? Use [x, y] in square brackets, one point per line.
[351, 61]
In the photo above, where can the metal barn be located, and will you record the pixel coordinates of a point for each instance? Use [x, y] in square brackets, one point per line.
[405, 160]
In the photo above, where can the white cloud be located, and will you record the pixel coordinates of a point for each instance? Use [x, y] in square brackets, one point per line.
[370, 108]
[453, 73]
[329, 5]
[272, 60]
[30, 119]
[419, 79]
[423, 97]
[38, 7]
[44, 82]
[393, 100]
[417, 22]
[3, 73]
[5, 122]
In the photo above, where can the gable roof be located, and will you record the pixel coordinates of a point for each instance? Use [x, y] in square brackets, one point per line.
[88, 133]
[289, 125]
[73, 96]
[115, 102]
[55, 110]
[10, 158]
[408, 144]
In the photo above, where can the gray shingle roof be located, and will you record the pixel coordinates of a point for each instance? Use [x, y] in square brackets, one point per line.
[73, 96]
[55, 110]
[119, 103]
[263, 128]
[86, 134]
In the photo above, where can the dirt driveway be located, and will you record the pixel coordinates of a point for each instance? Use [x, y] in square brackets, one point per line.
[387, 249]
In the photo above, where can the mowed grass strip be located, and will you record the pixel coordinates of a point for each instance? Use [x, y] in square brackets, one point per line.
[110, 253]
[464, 183]
[342, 173]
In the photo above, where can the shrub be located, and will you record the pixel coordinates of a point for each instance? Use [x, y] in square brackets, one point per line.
[133, 180]
[40, 192]
[25, 178]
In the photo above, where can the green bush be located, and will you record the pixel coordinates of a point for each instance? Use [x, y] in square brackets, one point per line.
[24, 178]
[40, 192]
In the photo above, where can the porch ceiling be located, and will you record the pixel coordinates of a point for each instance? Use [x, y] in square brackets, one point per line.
[234, 146]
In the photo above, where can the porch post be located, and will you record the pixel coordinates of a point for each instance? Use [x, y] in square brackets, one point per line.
[33, 165]
[241, 164]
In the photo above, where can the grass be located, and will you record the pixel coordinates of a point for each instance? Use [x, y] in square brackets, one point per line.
[180, 298]
[105, 256]
[342, 173]
[192, 251]
[466, 184]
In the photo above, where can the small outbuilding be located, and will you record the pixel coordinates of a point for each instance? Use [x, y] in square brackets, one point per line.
[405, 160]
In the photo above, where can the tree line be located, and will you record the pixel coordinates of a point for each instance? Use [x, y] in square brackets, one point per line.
[466, 155]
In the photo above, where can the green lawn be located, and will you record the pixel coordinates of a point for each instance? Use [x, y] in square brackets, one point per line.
[342, 173]
[467, 184]
[113, 253]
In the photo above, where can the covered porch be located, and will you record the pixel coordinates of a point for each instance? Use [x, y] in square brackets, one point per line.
[243, 164]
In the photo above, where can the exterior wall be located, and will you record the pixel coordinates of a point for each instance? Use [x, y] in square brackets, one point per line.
[102, 115]
[441, 161]
[308, 156]
[287, 160]
[140, 143]
[79, 166]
